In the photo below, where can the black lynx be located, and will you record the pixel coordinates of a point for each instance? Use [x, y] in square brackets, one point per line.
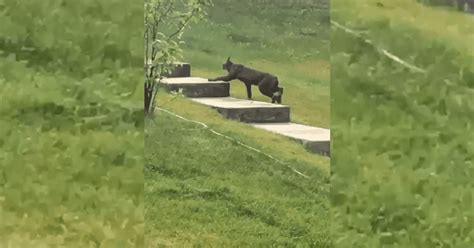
[267, 83]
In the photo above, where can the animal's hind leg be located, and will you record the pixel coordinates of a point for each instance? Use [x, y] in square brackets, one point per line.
[268, 86]
[278, 94]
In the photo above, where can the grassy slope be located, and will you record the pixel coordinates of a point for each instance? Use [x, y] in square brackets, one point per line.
[203, 190]
[403, 170]
[220, 193]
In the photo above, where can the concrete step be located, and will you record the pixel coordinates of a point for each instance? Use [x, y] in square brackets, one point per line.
[180, 70]
[197, 87]
[315, 139]
[247, 110]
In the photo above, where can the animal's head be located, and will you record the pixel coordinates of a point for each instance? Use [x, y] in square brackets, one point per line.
[227, 64]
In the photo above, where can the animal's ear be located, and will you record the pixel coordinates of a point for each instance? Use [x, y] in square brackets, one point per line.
[228, 59]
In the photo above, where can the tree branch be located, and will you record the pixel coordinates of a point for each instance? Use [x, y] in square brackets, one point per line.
[184, 23]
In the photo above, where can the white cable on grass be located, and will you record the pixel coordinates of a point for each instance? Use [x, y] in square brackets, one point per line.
[383, 51]
[234, 140]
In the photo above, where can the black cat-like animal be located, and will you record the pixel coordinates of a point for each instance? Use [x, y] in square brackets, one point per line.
[266, 82]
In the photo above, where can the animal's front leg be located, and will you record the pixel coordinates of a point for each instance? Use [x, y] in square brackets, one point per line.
[249, 91]
[223, 78]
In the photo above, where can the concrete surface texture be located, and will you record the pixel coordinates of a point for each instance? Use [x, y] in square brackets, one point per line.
[231, 102]
[180, 70]
[314, 139]
[297, 131]
[197, 87]
[247, 110]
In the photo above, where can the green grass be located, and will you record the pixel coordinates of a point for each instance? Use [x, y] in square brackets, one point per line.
[71, 136]
[203, 190]
[70, 169]
[402, 156]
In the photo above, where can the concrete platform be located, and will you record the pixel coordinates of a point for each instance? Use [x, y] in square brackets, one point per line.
[180, 70]
[314, 139]
[197, 87]
[247, 110]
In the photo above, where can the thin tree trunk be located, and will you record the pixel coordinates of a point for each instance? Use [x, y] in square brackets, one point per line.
[149, 88]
